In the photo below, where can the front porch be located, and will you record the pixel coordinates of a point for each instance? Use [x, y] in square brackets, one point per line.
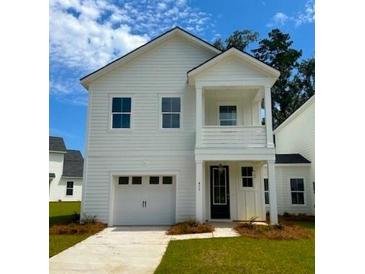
[233, 191]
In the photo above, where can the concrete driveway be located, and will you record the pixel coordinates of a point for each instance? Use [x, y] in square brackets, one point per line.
[114, 250]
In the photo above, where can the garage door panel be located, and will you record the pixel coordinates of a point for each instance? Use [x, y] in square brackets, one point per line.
[158, 208]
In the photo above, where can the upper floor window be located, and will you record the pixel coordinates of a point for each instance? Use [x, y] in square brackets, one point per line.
[266, 189]
[121, 112]
[171, 111]
[70, 188]
[247, 176]
[227, 115]
[297, 191]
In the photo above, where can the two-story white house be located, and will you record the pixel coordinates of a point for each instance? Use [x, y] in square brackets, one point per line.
[65, 171]
[174, 133]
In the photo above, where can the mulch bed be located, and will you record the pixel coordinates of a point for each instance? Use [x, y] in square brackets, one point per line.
[275, 232]
[190, 227]
[73, 228]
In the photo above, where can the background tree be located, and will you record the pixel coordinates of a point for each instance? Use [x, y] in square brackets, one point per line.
[277, 51]
[238, 39]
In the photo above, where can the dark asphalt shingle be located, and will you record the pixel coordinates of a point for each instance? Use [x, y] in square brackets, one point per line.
[293, 158]
[56, 144]
[73, 164]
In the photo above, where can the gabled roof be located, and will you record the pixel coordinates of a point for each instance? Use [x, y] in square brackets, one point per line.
[56, 144]
[295, 114]
[239, 54]
[293, 158]
[73, 164]
[174, 31]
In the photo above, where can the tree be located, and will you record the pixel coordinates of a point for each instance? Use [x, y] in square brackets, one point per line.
[238, 39]
[277, 51]
[305, 78]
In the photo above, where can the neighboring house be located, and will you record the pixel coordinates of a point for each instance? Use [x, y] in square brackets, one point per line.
[65, 171]
[296, 179]
[174, 133]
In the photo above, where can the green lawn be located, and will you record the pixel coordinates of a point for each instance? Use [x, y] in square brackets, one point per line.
[63, 212]
[58, 243]
[240, 255]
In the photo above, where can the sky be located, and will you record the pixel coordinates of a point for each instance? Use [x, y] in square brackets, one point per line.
[87, 34]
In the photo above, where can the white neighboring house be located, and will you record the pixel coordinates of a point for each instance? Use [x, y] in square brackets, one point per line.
[65, 171]
[174, 132]
[295, 137]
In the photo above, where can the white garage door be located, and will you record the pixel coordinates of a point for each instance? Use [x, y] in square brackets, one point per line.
[144, 200]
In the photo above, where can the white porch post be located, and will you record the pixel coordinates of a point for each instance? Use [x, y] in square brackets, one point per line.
[199, 115]
[268, 118]
[199, 190]
[272, 192]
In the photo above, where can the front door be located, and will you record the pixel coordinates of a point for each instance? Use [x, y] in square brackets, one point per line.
[219, 192]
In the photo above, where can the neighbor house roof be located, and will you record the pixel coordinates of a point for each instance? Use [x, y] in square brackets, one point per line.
[238, 54]
[174, 31]
[56, 144]
[292, 158]
[73, 164]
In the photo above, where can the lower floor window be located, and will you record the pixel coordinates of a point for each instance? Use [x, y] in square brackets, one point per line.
[297, 191]
[266, 189]
[70, 188]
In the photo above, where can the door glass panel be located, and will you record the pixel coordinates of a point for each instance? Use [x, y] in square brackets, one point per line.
[219, 187]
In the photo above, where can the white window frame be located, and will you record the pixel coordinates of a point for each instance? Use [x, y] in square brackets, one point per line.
[267, 191]
[111, 96]
[72, 188]
[253, 178]
[180, 113]
[228, 104]
[304, 191]
[225, 186]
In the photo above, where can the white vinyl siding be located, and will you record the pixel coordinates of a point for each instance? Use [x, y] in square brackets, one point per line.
[146, 147]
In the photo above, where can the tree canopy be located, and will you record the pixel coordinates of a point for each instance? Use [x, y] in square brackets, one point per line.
[296, 82]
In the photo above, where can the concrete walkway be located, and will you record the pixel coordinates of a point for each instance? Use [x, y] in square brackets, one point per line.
[134, 249]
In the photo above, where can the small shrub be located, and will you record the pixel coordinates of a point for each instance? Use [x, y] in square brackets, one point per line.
[286, 214]
[189, 227]
[90, 228]
[88, 219]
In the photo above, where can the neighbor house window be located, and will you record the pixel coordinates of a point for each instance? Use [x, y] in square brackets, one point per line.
[297, 191]
[167, 180]
[70, 188]
[266, 189]
[247, 176]
[227, 115]
[124, 180]
[121, 112]
[154, 180]
[171, 112]
[136, 180]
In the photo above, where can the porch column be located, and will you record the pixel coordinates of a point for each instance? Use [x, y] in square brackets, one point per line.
[272, 192]
[268, 118]
[199, 190]
[199, 115]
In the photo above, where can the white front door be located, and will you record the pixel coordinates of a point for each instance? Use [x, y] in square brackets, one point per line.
[150, 201]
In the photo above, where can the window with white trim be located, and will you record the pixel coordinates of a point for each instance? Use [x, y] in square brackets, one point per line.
[297, 191]
[266, 190]
[69, 188]
[121, 112]
[171, 112]
[247, 176]
[227, 115]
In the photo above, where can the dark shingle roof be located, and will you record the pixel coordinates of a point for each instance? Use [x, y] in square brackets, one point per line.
[73, 164]
[293, 158]
[56, 144]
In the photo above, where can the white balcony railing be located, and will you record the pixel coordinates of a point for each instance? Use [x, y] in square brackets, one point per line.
[233, 136]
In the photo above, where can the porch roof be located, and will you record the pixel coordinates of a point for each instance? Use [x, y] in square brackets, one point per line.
[292, 158]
